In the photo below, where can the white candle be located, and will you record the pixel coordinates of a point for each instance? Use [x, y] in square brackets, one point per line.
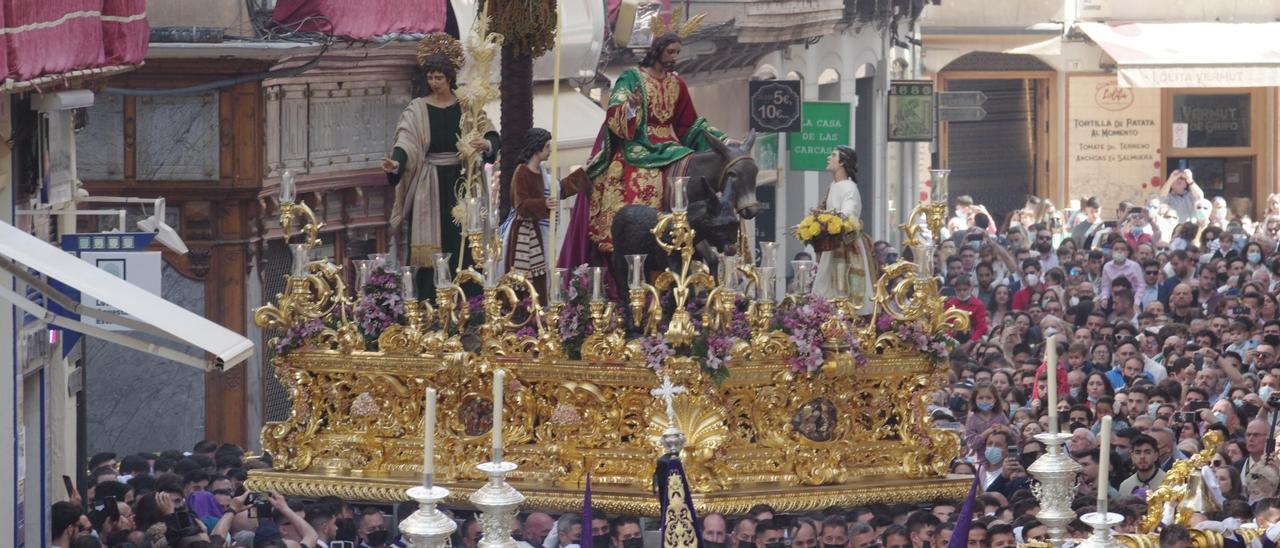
[1051, 369]
[288, 192]
[1104, 464]
[597, 283]
[429, 440]
[499, 377]
[552, 250]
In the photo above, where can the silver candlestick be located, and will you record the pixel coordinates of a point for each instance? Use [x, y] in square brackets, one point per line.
[497, 501]
[428, 527]
[1102, 524]
[1056, 474]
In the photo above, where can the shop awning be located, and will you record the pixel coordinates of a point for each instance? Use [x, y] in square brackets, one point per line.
[361, 20]
[580, 121]
[69, 37]
[1191, 55]
[156, 315]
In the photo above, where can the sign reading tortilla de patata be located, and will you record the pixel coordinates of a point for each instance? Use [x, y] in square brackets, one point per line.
[1113, 140]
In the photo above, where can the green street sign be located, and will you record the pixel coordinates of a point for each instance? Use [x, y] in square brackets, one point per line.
[824, 126]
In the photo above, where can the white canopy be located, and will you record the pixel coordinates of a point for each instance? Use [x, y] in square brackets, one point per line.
[1191, 55]
[227, 347]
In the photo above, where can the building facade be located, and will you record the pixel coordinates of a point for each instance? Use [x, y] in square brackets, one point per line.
[1105, 98]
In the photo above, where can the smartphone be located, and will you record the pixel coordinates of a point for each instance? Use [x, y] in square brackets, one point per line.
[66, 483]
[1198, 405]
[1187, 417]
[112, 508]
[1013, 452]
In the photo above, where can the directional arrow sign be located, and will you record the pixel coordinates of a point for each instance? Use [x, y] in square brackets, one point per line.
[962, 114]
[961, 99]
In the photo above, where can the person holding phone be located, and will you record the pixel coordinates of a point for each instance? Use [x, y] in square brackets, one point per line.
[1182, 194]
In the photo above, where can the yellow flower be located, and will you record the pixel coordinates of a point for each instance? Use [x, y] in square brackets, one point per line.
[826, 217]
[834, 229]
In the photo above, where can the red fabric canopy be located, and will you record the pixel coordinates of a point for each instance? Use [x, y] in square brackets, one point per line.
[50, 37]
[362, 20]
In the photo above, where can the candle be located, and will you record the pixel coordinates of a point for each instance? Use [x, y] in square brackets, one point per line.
[490, 272]
[407, 291]
[288, 192]
[679, 197]
[443, 279]
[597, 283]
[555, 286]
[1051, 371]
[555, 131]
[301, 259]
[1104, 464]
[475, 220]
[499, 377]
[729, 272]
[765, 289]
[768, 254]
[635, 271]
[429, 441]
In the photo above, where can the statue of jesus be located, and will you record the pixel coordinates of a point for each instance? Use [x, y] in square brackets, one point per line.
[650, 125]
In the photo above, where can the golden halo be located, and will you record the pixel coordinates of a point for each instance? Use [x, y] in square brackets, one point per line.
[440, 43]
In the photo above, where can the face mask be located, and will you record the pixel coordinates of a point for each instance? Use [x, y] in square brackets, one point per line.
[1137, 231]
[601, 541]
[1222, 417]
[744, 544]
[1220, 214]
[769, 545]
[1075, 392]
[1013, 408]
[1076, 425]
[1118, 256]
[1264, 393]
[638, 542]
[833, 546]
[1033, 280]
[1151, 408]
[994, 455]
[377, 538]
[1254, 257]
[1044, 247]
[1093, 399]
[708, 544]
[1202, 214]
[986, 406]
[1248, 410]
[958, 404]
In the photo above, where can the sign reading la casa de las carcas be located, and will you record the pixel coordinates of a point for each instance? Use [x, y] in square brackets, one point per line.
[1113, 140]
[824, 126]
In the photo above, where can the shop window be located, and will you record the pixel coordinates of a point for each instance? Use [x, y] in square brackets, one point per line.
[1213, 120]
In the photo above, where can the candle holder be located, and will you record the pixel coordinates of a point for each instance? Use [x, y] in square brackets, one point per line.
[804, 276]
[674, 236]
[1056, 473]
[428, 527]
[497, 501]
[291, 208]
[720, 300]
[549, 338]
[1102, 524]
[643, 311]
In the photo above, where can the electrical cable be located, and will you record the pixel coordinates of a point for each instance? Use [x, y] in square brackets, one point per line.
[219, 84]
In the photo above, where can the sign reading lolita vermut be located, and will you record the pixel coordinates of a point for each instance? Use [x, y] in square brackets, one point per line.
[1113, 140]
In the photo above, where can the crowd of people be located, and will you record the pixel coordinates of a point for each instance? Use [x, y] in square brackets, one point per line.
[1165, 318]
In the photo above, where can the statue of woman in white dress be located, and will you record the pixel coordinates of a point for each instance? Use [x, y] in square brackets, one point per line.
[846, 270]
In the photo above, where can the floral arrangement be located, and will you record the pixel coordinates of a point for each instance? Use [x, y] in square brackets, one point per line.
[802, 319]
[824, 229]
[299, 334]
[380, 305]
[916, 336]
[575, 319]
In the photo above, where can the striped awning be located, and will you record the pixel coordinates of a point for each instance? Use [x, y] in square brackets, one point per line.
[40, 39]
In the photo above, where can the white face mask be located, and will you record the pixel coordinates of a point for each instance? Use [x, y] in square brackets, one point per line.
[1032, 280]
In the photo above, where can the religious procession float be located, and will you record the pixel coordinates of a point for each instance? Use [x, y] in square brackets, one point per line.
[495, 396]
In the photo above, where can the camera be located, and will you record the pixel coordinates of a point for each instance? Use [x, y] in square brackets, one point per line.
[1187, 417]
[1273, 402]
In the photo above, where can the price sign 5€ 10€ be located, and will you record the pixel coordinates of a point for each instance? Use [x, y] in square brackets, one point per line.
[775, 105]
